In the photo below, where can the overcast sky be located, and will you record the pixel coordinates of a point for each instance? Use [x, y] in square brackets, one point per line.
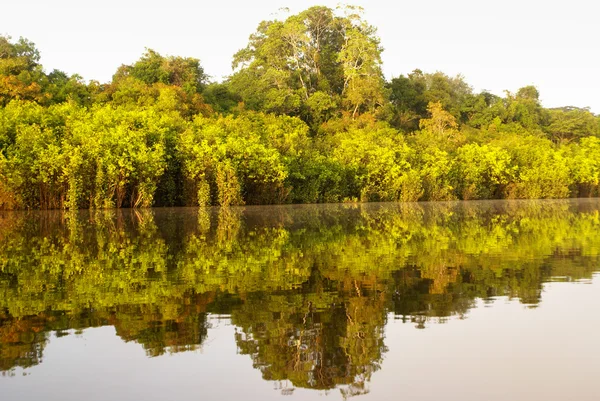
[497, 46]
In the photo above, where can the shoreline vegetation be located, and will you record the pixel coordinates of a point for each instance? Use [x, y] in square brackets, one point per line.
[305, 117]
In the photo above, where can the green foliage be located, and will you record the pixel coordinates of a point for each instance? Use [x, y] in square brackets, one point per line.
[524, 108]
[62, 87]
[440, 129]
[585, 165]
[406, 97]
[242, 159]
[220, 97]
[410, 96]
[153, 68]
[571, 123]
[378, 158]
[306, 117]
[436, 168]
[21, 75]
[312, 65]
[482, 172]
[541, 170]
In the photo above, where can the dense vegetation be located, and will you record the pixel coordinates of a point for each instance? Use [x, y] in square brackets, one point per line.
[305, 117]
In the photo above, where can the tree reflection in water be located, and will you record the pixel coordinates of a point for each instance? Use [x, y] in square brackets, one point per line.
[309, 288]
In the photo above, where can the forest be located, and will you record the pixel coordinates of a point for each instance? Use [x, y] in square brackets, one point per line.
[305, 117]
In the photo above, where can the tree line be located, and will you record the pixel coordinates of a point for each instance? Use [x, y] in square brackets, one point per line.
[305, 117]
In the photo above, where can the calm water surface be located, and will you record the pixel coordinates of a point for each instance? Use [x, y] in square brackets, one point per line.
[453, 301]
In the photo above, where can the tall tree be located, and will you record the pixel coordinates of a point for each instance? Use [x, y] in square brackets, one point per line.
[569, 123]
[313, 65]
[21, 75]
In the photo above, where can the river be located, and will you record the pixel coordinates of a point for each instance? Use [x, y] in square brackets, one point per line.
[489, 300]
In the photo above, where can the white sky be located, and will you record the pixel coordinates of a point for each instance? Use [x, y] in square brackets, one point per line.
[500, 45]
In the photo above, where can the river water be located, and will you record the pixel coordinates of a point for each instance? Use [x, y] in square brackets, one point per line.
[489, 300]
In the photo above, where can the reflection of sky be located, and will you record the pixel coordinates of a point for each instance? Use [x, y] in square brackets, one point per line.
[496, 45]
[504, 351]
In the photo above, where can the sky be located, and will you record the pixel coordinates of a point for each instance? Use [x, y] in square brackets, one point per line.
[496, 46]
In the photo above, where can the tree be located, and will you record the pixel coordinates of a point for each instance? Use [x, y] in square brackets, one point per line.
[451, 92]
[379, 161]
[236, 160]
[151, 68]
[439, 130]
[310, 65]
[585, 165]
[525, 109]
[360, 57]
[21, 75]
[62, 87]
[571, 123]
[541, 169]
[408, 101]
[410, 95]
[482, 172]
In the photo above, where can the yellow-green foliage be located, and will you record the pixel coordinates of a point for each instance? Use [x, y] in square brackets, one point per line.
[306, 117]
[542, 169]
[584, 163]
[482, 171]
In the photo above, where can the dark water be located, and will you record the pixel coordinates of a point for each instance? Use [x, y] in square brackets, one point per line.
[453, 301]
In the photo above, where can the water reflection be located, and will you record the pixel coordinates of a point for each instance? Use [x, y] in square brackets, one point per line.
[309, 288]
